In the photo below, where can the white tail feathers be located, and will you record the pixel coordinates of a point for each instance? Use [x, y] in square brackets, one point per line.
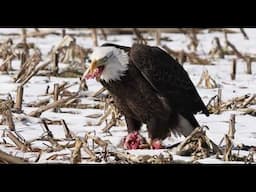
[184, 126]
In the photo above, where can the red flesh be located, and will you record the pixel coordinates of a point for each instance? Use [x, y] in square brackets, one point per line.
[96, 73]
[133, 141]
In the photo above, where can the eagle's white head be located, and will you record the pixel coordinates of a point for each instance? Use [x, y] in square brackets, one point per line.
[108, 63]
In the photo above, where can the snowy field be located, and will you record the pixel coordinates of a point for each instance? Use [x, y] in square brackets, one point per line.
[77, 120]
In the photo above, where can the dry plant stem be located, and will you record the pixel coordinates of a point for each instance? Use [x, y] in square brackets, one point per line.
[219, 100]
[139, 36]
[192, 58]
[38, 156]
[232, 130]
[23, 59]
[8, 59]
[209, 81]
[9, 119]
[34, 72]
[247, 101]
[233, 70]
[126, 157]
[89, 152]
[194, 40]
[42, 34]
[19, 98]
[49, 133]
[240, 102]
[183, 143]
[111, 124]
[68, 86]
[200, 134]
[83, 85]
[172, 52]
[182, 57]
[97, 93]
[58, 103]
[56, 96]
[11, 159]
[72, 101]
[219, 47]
[50, 138]
[158, 37]
[228, 149]
[94, 37]
[39, 103]
[66, 130]
[28, 68]
[249, 66]
[249, 111]
[244, 34]
[63, 33]
[47, 90]
[76, 155]
[97, 140]
[55, 63]
[61, 87]
[83, 106]
[228, 139]
[238, 54]
[105, 37]
[134, 159]
[107, 113]
[52, 122]
[17, 142]
[55, 156]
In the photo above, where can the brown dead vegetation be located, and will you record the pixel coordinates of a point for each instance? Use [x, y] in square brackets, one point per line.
[90, 147]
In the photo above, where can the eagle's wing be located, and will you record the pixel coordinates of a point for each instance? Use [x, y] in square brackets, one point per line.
[168, 77]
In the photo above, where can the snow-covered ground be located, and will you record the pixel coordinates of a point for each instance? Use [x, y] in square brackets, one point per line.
[76, 121]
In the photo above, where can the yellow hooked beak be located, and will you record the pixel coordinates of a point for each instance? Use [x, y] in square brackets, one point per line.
[90, 69]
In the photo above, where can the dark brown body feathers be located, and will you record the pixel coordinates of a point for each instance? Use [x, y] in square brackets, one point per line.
[155, 90]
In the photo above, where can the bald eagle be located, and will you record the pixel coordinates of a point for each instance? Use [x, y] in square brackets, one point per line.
[148, 86]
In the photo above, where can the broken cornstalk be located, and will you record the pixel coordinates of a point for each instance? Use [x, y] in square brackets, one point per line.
[66, 130]
[244, 34]
[233, 70]
[55, 69]
[232, 130]
[140, 38]
[9, 159]
[19, 97]
[58, 103]
[39, 103]
[228, 149]
[56, 96]
[249, 65]
[158, 37]
[5, 110]
[94, 37]
[22, 146]
[97, 93]
[238, 54]
[210, 83]
[229, 139]
[76, 155]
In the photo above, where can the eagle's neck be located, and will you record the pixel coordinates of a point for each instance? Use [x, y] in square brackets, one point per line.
[116, 67]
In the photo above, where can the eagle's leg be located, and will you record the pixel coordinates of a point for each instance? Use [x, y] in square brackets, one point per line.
[157, 130]
[132, 124]
[133, 140]
[156, 144]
